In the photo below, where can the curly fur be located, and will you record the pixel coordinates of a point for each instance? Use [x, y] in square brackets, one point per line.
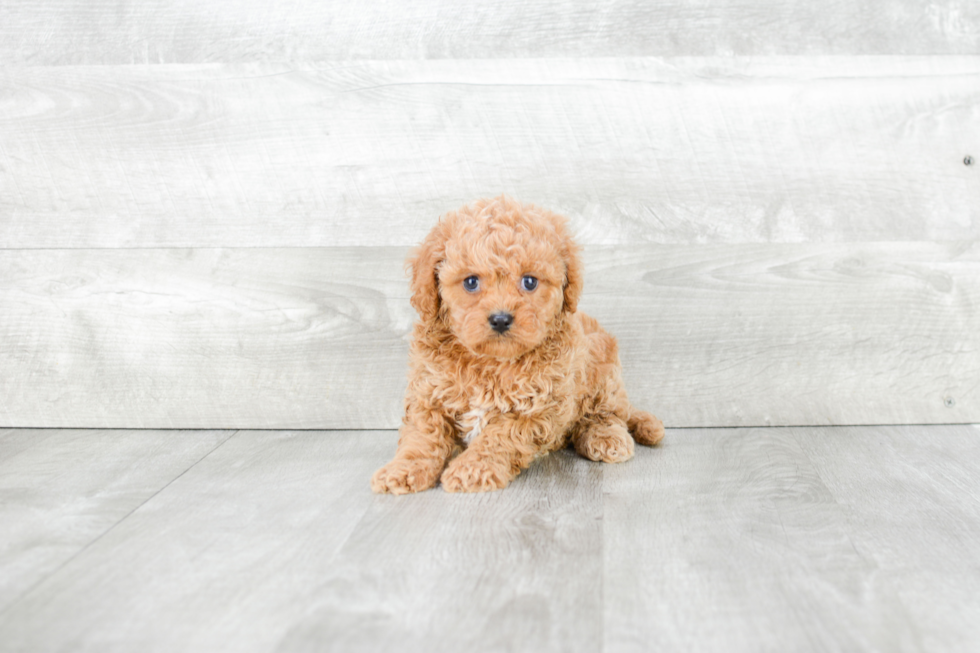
[481, 405]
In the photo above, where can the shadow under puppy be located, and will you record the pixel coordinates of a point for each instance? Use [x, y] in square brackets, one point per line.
[502, 368]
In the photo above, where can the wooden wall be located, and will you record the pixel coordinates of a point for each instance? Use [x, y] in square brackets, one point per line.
[204, 207]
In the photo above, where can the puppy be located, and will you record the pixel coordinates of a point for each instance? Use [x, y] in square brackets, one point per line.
[502, 367]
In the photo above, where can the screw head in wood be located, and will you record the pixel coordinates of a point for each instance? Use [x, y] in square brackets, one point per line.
[968, 160]
[949, 402]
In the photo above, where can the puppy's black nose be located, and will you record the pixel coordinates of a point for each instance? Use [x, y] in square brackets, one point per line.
[500, 322]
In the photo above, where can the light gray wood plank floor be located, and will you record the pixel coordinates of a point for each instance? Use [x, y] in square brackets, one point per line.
[803, 539]
[81, 483]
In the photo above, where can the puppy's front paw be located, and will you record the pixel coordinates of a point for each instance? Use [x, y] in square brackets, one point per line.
[469, 474]
[607, 443]
[404, 476]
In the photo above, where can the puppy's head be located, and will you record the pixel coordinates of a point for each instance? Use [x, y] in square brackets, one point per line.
[500, 273]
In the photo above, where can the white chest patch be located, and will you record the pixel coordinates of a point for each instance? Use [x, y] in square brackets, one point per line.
[472, 423]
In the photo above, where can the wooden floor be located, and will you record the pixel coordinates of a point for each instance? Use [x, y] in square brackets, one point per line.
[772, 539]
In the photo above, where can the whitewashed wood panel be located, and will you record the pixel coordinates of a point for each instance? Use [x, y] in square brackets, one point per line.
[877, 333]
[780, 539]
[225, 558]
[60, 491]
[184, 338]
[703, 150]
[156, 31]
[317, 338]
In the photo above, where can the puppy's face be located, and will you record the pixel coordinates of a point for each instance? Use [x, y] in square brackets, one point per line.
[503, 273]
[502, 291]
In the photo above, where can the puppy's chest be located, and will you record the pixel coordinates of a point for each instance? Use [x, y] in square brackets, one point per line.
[475, 396]
[472, 422]
[472, 413]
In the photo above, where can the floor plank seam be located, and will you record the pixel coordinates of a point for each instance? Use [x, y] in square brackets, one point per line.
[364, 515]
[96, 539]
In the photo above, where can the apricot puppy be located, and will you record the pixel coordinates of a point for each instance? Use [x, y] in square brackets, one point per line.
[502, 368]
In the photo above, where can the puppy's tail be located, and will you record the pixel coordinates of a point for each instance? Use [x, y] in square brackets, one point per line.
[645, 428]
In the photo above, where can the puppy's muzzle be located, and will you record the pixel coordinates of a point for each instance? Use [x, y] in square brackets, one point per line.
[500, 322]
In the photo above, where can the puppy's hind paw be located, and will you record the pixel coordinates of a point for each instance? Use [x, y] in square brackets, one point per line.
[405, 476]
[646, 428]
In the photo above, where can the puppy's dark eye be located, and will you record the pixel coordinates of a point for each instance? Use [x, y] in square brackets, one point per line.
[471, 284]
[529, 283]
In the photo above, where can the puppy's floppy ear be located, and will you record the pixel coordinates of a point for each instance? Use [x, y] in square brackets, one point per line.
[423, 263]
[570, 253]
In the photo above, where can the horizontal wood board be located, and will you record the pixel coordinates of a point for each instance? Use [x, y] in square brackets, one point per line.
[317, 338]
[157, 31]
[803, 539]
[679, 151]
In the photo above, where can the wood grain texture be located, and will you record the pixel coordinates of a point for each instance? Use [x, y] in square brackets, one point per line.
[60, 491]
[883, 333]
[224, 559]
[684, 151]
[518, 570]
[736, 540]
[317, 338]
[784, 539]
[308, 337]
[127, 32]
[915, 513]
[265, 545]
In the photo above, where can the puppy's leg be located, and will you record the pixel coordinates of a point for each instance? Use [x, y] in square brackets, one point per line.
[601, 433]
[609, 424]
[506, 445]
[426, 442]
